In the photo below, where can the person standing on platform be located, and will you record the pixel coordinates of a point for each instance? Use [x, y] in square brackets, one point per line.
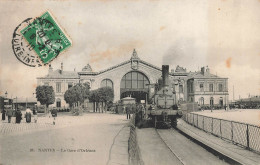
[35, 116]
[138, 117]
[33, 110]
[128, 112]
[133, 108]
[28, 115]
[9, 114]
[3, 114]
[143, 111]
[54, 114]
[18, 116]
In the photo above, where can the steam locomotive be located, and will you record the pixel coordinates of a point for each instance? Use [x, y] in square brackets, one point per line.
[165, 110]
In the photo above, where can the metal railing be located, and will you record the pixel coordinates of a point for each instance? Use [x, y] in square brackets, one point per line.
[242, 134]
[133, 148]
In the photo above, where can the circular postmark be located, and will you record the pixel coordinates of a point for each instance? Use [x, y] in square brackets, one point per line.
[22, 50]
[38, 41]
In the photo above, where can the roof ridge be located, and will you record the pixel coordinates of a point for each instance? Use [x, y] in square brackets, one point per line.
[110, 68]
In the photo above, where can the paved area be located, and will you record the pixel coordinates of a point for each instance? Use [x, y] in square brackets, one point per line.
[119, 148]
[43, 122]
[236, 153]
[88, 139]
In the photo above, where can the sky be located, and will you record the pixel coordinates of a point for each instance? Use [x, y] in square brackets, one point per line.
[221, 34]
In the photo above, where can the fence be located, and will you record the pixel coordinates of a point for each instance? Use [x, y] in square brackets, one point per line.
[242, 134]
[133, 148]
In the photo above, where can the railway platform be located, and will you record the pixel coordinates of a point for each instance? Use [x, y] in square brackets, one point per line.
[225, 149]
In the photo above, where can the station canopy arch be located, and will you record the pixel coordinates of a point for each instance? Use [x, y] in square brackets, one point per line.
[134, 84]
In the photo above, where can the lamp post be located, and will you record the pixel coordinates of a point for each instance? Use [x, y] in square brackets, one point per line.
[211, 102]
[174, 92]
[5, 99]
[26, 102]
[178, 83]
[151, 93]
[6, 94]
[16, 107]
[150, 87]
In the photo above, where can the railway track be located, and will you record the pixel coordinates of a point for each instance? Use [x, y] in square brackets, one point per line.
[172, 151]
[185, 150]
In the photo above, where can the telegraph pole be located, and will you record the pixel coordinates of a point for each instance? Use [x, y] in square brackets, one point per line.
[233, 93]
[16, 108]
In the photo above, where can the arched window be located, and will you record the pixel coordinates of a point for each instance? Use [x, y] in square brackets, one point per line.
[202, 101]
[58, 103]
[107, 83]
[136, 80]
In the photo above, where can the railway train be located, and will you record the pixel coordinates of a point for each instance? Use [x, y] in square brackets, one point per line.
[165, 110]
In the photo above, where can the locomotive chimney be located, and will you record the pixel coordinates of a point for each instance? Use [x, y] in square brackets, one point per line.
[165, 75]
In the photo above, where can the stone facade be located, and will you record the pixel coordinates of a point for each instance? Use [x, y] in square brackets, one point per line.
[61, 81]
[207, 89]
[143, 77]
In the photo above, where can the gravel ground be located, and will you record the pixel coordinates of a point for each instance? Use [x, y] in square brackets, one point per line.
[87, 140]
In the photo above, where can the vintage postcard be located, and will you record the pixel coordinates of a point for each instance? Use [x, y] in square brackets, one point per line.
[133, 82]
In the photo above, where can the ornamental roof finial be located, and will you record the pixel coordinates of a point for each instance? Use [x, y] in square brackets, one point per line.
[87, 68]
[134, 55]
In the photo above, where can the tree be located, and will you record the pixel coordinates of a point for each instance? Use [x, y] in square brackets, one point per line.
[81, 91]
[101, 95]
[1, 103]
[45, 95]
[70, 97]
[77, 94]
[94, 98]
[106, 94]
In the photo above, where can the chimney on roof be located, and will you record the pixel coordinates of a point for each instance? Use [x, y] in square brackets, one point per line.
[61, 68]
[202, 70]
[50, 68]
[207, 70]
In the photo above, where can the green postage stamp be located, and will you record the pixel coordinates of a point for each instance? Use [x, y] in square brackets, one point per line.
[46, 37]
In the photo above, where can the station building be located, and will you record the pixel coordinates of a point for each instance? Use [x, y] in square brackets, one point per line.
[137, 78]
